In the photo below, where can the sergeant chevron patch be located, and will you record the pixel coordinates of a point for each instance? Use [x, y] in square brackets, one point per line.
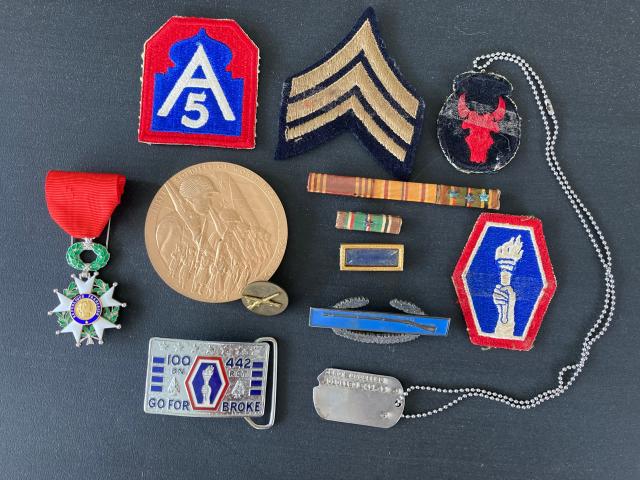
[356, 87]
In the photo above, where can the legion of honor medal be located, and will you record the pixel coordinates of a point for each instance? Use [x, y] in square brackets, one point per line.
[214, 228]
[82, 205]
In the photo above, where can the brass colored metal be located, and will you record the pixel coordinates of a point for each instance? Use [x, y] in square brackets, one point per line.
[212, 229]
[265, 298]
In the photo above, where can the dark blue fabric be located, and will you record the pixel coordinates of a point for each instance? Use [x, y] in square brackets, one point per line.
[483, 89]
[348, 121]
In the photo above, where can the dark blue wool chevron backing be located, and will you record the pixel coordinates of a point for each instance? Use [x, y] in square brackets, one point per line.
[349, 120]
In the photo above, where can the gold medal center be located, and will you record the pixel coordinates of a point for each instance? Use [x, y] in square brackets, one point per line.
[85, 309]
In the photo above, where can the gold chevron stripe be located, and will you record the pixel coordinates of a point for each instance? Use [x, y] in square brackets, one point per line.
[364, 40]
[352, 103]
[357, 76]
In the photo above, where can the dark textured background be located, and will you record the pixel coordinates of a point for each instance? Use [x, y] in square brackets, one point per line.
[69, 84]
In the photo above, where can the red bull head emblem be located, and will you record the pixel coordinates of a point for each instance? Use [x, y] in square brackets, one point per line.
[478, 126]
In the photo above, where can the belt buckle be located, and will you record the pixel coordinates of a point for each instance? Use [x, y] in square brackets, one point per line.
[195, 378]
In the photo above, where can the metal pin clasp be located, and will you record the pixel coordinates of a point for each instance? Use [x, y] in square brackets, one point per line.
[548, 106]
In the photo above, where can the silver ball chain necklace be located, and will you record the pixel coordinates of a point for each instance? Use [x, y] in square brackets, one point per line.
[568, 374]
[382, 405]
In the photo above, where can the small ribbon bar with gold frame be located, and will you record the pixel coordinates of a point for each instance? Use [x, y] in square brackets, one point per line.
[404, 191]
[372, 257]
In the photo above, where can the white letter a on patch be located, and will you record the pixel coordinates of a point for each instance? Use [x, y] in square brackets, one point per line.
[210, 82]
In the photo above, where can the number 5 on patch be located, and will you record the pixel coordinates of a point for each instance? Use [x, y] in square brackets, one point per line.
[199, 84]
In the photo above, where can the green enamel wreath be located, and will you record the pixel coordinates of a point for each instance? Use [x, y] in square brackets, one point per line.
[74, 251]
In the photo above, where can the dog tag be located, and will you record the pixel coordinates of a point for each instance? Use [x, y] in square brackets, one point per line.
[360, 398]
[210, 379]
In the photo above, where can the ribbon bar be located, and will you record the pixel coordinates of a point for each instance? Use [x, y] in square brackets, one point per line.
[404, 191]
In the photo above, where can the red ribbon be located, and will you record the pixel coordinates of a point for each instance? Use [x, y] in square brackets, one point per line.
[82, 203]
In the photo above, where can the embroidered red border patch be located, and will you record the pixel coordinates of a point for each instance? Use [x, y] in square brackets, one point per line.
[504, 281]
[199, 84]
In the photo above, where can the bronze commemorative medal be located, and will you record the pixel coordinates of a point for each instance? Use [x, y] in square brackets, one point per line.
[213, 228]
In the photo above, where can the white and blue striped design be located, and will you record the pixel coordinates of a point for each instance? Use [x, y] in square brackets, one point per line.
[257, 378]
[157, 374]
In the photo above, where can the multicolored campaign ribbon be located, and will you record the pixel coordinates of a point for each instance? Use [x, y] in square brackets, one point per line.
[82, 204]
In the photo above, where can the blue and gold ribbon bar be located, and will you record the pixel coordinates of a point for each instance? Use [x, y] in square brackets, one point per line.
[372, 257]
[378, 321]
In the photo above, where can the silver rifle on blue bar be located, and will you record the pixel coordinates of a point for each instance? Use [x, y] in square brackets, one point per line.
[378, 321]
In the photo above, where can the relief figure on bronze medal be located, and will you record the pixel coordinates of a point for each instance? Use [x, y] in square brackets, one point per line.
[212, 243]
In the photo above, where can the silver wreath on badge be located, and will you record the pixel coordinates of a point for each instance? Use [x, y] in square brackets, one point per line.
[377, 337]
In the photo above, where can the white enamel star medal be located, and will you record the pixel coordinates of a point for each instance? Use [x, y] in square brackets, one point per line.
[87, 308]
[82, 204]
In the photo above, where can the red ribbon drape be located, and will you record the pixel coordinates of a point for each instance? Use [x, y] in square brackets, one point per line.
[81, 203]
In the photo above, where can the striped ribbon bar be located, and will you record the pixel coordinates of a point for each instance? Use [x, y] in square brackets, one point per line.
[368, 222]
[404, 191]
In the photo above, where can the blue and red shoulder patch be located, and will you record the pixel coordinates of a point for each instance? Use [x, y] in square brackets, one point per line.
[504, 281]
[199, 84]
[355, 87]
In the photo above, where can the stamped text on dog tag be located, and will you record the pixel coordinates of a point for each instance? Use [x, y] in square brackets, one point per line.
[360, 398]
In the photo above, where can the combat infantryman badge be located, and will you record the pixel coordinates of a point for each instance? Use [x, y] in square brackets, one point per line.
[355, 87]
[383, 328]
[504, 281]
[211, 379]
[479, 126]
[199, 84]
[82, 204]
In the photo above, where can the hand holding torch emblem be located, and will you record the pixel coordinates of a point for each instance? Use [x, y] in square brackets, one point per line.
[206, 388]
[504, 297]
